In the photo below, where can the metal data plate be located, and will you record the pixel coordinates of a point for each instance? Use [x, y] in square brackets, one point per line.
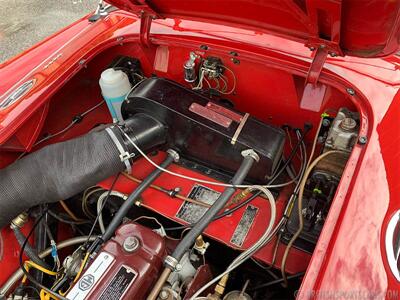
[91, 277]
[190, 212]
[244, 226]
[120, 284]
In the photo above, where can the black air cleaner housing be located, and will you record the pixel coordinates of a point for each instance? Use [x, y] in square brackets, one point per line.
[205, 132]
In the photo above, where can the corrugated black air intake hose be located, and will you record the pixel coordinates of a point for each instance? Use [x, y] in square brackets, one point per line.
[62, 170]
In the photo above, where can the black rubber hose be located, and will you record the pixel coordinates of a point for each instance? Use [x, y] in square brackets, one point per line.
[62, 170]
[206, 219]
[29, 251]
[130, 201]
[57, 172]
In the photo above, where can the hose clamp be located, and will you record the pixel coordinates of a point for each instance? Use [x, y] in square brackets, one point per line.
[124, 155]
[251, 153]
[171, 263]
[173, 154]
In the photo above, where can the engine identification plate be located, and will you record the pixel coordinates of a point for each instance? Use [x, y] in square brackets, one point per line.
[191, 212]
[245, 223]
[120, 283]
[91, 277]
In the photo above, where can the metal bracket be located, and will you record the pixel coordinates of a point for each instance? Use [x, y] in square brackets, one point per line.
[145, 26]
[147, 14]
[314, 91]
[126, 156]
[101, 11]
[316, 65]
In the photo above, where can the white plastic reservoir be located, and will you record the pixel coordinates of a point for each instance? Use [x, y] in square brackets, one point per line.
[114, 86]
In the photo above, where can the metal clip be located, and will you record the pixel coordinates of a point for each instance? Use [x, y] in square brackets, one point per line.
[126, 156]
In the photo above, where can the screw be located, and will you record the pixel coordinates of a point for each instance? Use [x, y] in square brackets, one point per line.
[233, 53]
[204, 47]
[362, 140]
[82, 62]
[333, 54]
[350, 91]
[311, 48]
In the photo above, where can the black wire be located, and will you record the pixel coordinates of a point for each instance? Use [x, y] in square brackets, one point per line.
[275, 282]
[21, 263]
[101, 209]
[258, 193]
[292, 153]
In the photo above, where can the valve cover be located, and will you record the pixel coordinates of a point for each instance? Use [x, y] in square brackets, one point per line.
[125, 268]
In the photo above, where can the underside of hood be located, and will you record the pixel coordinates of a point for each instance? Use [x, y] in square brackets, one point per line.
[364, 28]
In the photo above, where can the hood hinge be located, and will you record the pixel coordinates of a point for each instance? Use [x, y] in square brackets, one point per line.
[146, 15]
[314, 91]
[145, 26]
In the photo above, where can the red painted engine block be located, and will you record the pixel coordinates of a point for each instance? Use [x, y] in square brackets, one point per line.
[125, 267]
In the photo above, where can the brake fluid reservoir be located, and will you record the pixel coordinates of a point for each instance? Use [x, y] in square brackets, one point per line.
[114, 86]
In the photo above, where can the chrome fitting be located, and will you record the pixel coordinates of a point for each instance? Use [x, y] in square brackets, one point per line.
[251, 153]
[19, 221]
[174, 154]
[200, 245]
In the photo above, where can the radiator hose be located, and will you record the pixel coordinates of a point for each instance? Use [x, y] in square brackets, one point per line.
[62, 170]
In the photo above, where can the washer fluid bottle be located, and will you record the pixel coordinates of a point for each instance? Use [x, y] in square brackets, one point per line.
[114, 86]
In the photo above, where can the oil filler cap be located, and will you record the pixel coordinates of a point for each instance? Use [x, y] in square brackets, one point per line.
[131, 243]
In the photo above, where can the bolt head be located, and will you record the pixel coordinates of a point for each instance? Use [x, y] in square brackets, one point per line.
[350, 91]
[362, 140]
[164, 294]
[131, 243]
[326, 122]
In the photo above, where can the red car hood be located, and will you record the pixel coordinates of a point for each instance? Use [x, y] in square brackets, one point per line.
[368, 28]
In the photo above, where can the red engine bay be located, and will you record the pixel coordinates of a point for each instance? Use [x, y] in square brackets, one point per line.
[252, 100]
